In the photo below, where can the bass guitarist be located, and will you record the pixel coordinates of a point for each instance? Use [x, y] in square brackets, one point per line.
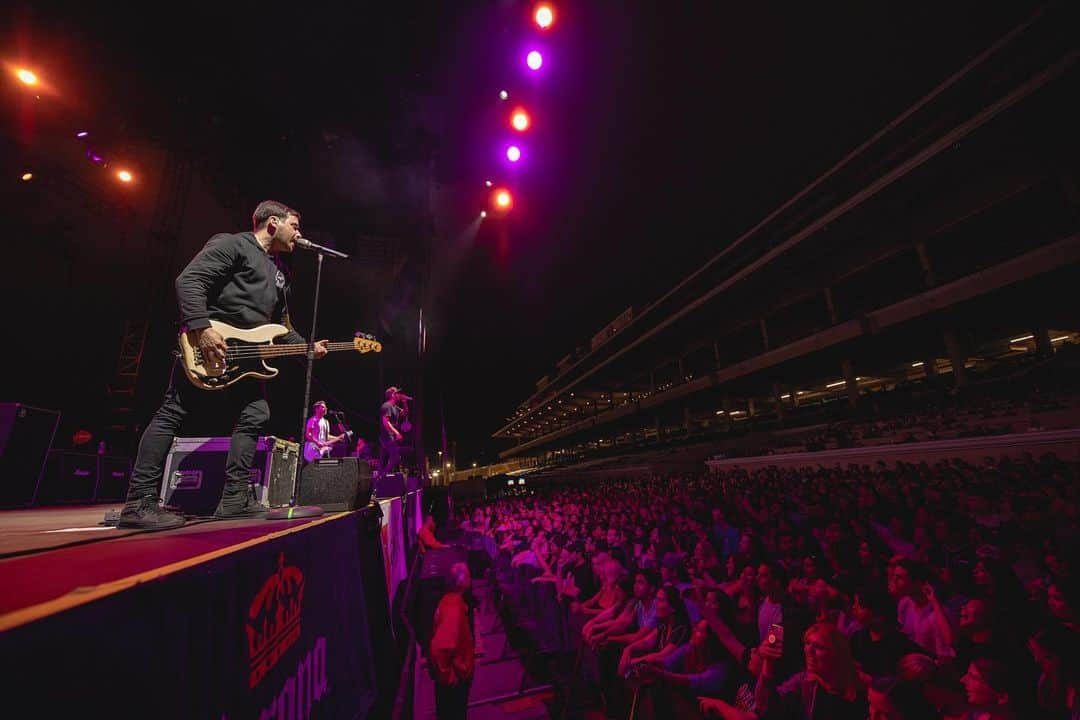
[235, 279]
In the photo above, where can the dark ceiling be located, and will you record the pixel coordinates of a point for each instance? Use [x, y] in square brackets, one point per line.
[662, 132]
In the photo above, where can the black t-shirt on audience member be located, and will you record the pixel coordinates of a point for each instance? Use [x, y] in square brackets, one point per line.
[880, 658]
[799, 698]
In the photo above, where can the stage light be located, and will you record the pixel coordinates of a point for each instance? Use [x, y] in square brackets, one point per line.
[534, 60]
[543, 16]
[26, 77]
[124, 176]
[95, 158]
[81, 134]
[487, 183]
[27, 176]
[502, 199]
[503, 95]
[513, 153]
[519, 120]
[483, 214]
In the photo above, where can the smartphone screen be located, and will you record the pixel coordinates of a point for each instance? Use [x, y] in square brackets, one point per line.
[775, 635]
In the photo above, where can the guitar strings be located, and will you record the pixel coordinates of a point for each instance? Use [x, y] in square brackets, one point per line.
[244, 352]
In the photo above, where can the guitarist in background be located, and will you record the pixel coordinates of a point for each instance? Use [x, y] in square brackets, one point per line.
[391, 416]
[318, 442]
[235, 278]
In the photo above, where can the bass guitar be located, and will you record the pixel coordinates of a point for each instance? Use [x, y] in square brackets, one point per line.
[248, 352]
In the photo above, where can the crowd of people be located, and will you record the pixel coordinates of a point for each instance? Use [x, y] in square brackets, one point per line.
[913, 591]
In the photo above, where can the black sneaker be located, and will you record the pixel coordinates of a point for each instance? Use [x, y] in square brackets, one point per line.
[148, 514]
[246, 508]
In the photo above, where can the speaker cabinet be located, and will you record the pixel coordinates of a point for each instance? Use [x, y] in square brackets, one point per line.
[336, 484]
[70, 479]
[114, 474]
[26, 435]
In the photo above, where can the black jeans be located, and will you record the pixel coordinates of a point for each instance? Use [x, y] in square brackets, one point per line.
[243, 405]
[389, 456]
[452, 701]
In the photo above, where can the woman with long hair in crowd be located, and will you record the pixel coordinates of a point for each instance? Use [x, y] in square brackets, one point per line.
[828, 688]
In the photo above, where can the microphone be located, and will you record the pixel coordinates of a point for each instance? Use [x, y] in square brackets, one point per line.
[303, 242]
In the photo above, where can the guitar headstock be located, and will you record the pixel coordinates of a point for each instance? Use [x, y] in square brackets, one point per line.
[366, 343]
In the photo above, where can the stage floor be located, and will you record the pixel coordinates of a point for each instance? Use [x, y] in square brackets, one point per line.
[53, 558]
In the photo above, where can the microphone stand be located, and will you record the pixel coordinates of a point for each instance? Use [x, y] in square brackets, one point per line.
[292, 510]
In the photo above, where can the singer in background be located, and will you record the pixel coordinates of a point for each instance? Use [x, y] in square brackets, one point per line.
[391, 415]
[237, 279]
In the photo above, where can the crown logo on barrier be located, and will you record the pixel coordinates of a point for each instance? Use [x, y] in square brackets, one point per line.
[273, 624]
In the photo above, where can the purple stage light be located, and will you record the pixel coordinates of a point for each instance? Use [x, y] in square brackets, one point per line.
[513, 153]
[534, 60]
[81, 134]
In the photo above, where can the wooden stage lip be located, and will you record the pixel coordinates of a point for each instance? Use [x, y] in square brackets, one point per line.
[55, 558]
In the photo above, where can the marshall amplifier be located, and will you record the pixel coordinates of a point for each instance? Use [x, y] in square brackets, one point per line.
[195, 472]
[114, 474]
[70, 478]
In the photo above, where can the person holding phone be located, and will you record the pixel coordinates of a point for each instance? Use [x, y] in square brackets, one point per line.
[828, 688]
[778, 608]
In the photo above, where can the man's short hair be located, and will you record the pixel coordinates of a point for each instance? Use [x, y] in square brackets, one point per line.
[877, 601]
[317, 403]
[268, 209]
[917, 571]
[651, 578]
[777, 571]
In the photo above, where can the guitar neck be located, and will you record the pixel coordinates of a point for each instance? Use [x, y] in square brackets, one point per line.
[299, 349]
